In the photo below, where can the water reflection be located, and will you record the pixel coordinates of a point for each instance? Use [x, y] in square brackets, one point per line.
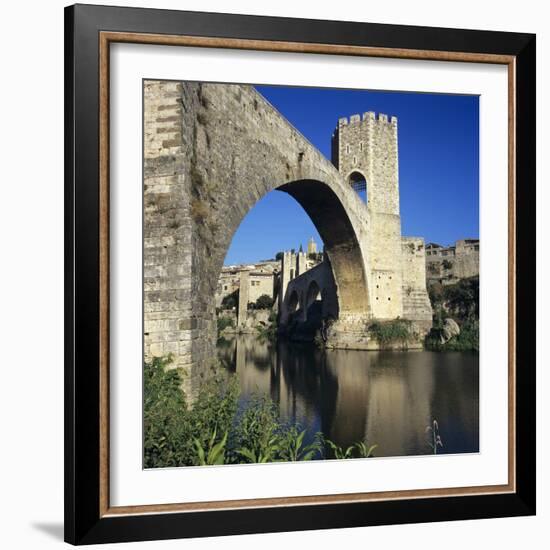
[387, 398]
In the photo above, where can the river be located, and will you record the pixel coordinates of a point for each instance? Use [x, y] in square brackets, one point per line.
[387, 398]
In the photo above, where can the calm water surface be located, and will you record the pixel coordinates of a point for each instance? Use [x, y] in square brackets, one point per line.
[385, 397]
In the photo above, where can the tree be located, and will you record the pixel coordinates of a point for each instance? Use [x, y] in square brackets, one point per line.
[231, 300]
[279, 256]
[264, 302]
[463, 298]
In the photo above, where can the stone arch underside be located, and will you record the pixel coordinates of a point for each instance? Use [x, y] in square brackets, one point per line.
[340, 239]
[293, 302]
[313, 292]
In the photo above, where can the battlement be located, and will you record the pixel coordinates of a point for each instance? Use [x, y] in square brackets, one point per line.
[370, 115]
[366, 145]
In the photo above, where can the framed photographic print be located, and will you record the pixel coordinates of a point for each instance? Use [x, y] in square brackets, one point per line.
[299, 274]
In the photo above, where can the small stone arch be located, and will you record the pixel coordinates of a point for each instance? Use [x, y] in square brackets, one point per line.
[293, 302]
[313, 294]
[358, 181]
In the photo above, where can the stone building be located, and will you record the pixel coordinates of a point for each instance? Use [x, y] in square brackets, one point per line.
[448, 264]
[267, 277]
[311, 247]
[262, 277]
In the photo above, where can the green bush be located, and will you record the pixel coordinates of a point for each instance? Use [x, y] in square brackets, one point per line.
[263, 302]
[292, 448]
[256, 438]
[166, 426]
[231, 300]
[268, 331]
[461, 303]
[171, 428]
[391, 332]
[359, 449]
[467, 340]
[224, 322]
[462, 299]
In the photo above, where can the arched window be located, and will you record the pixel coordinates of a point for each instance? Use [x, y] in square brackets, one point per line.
[359, 183]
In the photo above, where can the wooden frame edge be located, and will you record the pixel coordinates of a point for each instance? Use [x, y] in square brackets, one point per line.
[300, 47]
[104, 277]
[105, 39]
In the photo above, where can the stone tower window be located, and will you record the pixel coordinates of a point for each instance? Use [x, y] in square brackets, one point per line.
[361, 146]
[347, 148]
[359, 183]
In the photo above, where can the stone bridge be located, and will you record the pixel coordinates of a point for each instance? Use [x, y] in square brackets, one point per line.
[315, 286]
[211, 152]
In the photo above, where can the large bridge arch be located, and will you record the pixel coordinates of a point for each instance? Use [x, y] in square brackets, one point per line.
[340, 237]
[211, 152]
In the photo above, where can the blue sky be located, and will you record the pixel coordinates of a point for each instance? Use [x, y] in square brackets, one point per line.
[438, 166]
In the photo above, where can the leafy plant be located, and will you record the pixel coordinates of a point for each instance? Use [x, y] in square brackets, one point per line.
[434, 437]
[268, 330]
[339, 452]
[292, 448]
[265, 452]
[360, 448]
[214, 454]
[364, 450]
[391, 332]
[171, 427]
[256, 437]
[223, 322]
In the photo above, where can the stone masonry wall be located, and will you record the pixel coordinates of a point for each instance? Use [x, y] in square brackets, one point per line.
[416, 302]
[167, 231]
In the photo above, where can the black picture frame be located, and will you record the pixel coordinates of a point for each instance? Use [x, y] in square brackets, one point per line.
[84, 523]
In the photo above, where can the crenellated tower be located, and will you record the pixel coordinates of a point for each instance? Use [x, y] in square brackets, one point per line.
[364, 149]
[365, 152]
